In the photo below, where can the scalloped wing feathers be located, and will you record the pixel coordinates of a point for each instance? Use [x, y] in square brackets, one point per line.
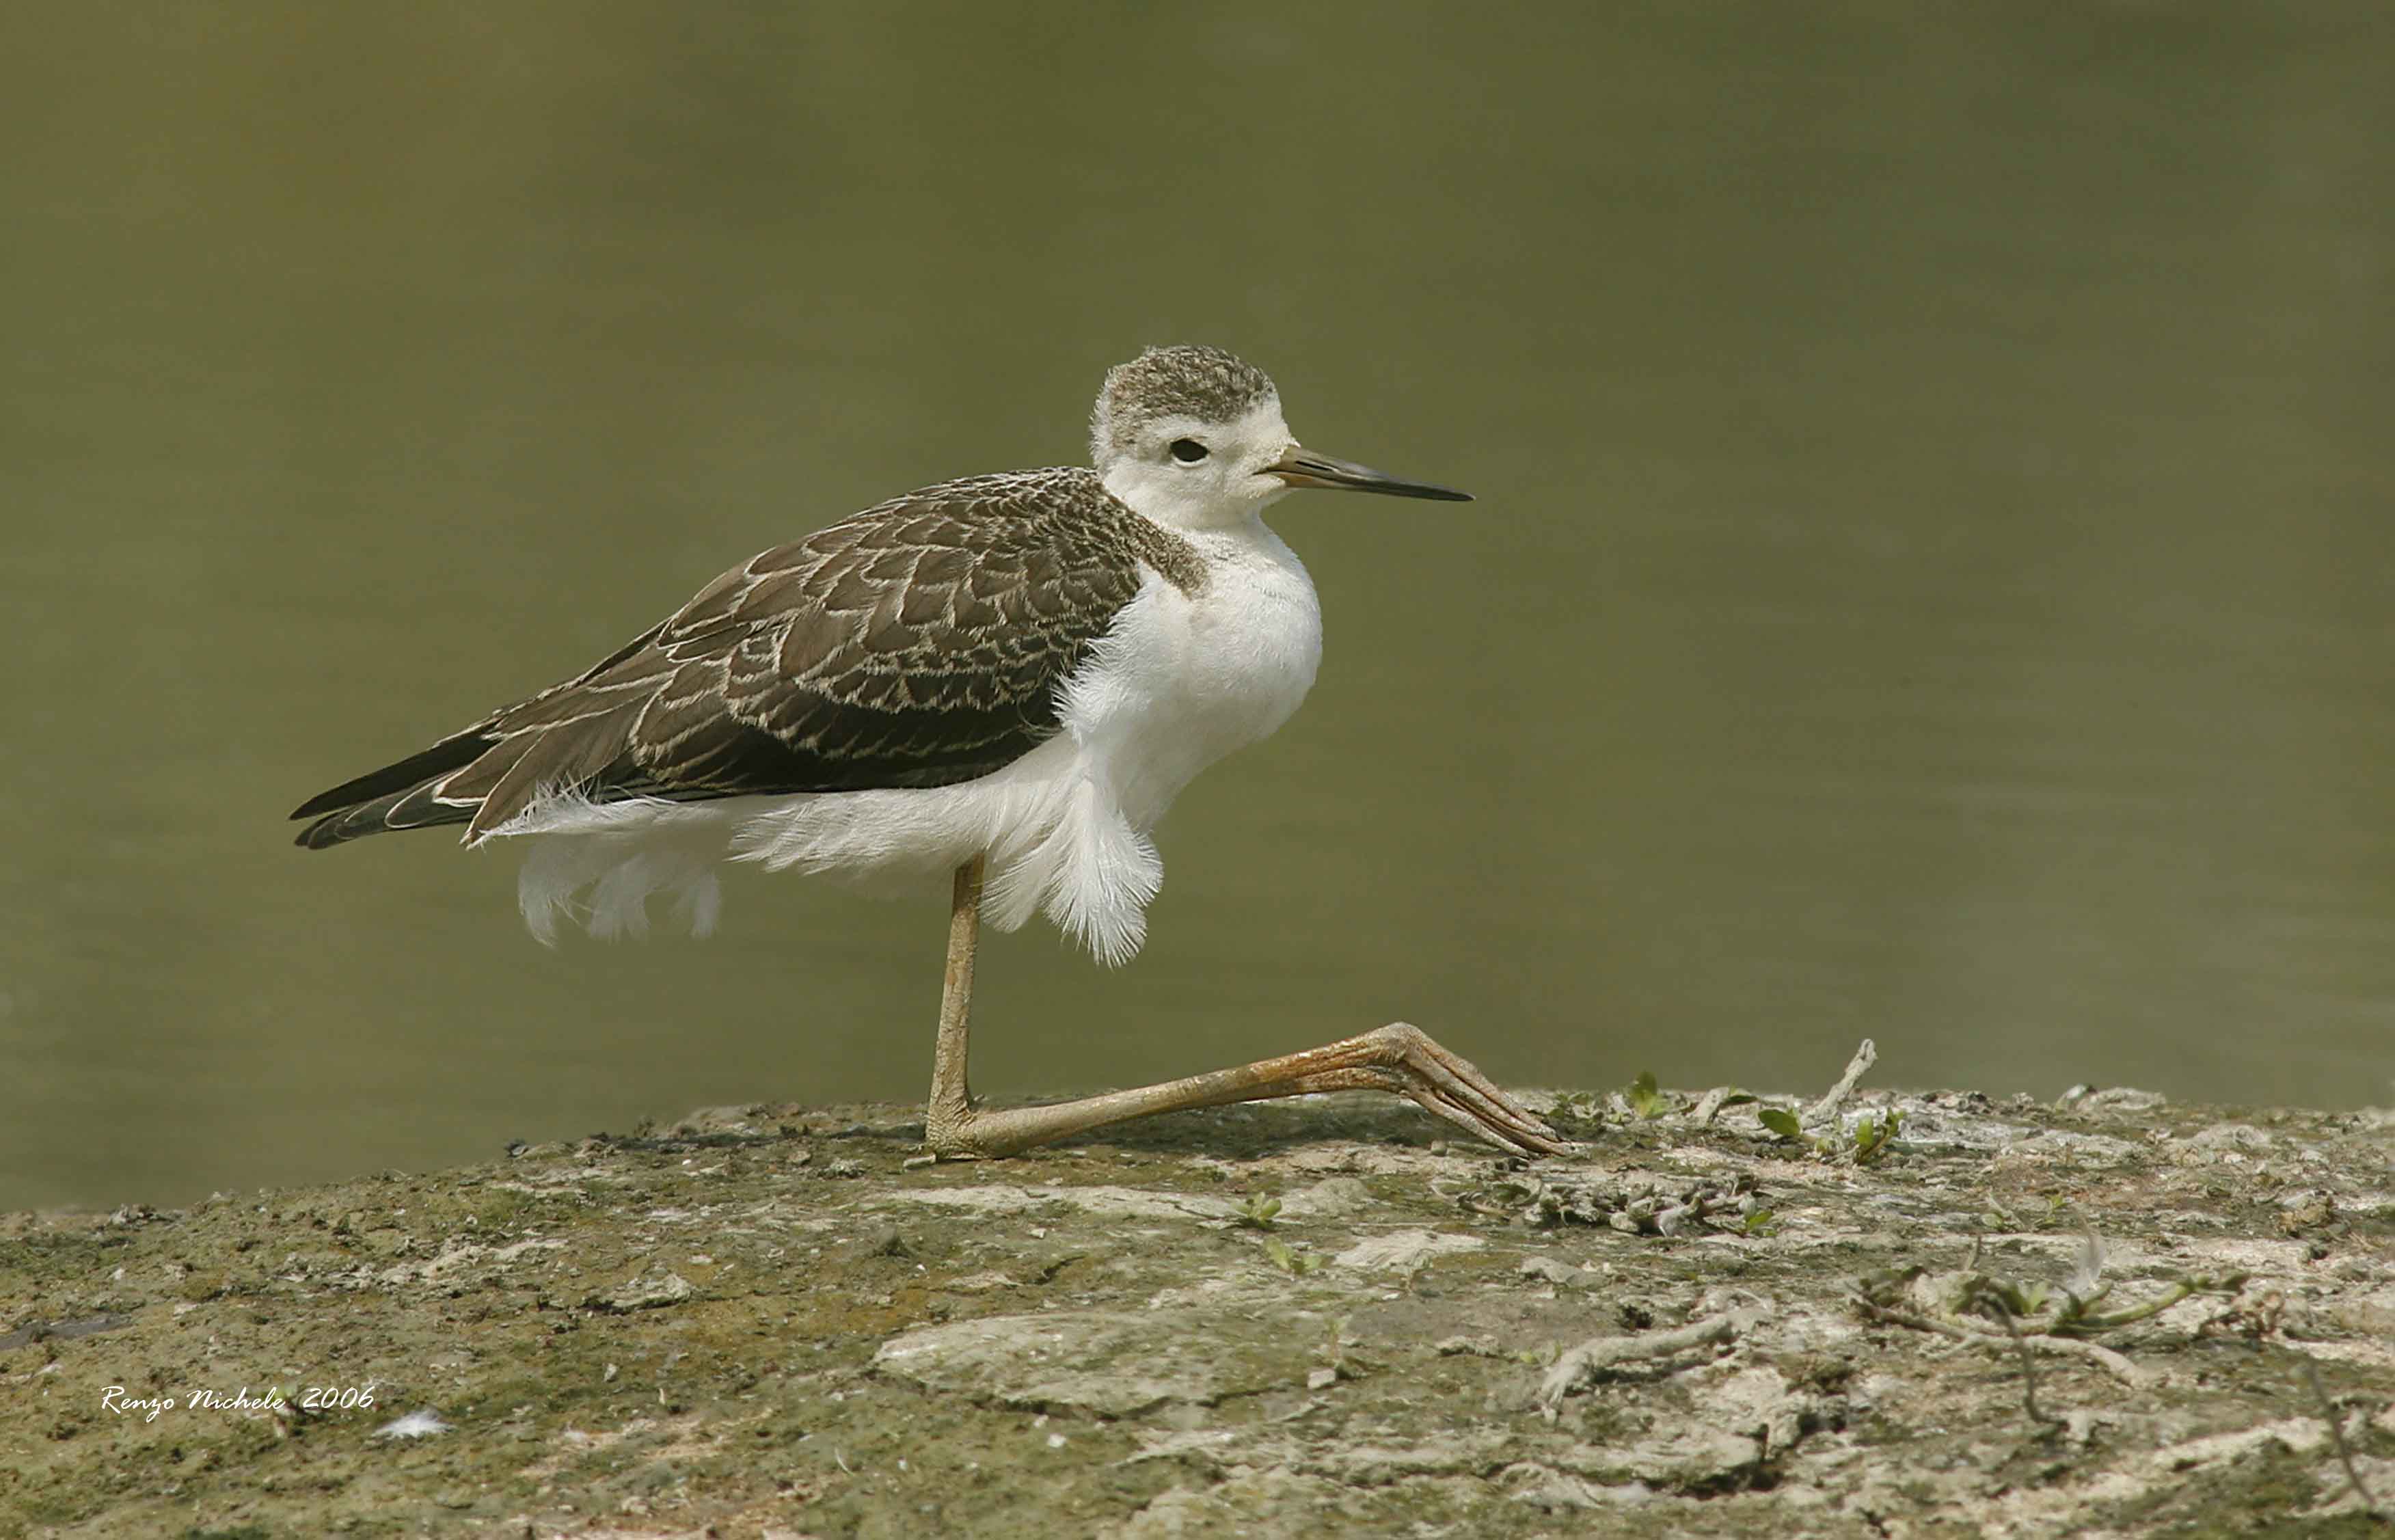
[920, 642]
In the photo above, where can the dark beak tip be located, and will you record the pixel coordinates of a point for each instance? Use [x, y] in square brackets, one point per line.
[1305, 468]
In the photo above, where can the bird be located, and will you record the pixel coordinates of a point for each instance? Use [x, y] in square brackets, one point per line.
[1002, 681]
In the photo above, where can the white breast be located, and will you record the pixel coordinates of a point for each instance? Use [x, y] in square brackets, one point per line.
[1184, 679]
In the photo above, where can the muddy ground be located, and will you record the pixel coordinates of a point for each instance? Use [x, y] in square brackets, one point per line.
[1320, 1317]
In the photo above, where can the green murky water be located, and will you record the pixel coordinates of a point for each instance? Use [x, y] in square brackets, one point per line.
[1931, 579]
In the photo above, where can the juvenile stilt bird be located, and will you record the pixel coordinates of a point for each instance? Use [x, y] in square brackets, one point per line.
[1003, 679]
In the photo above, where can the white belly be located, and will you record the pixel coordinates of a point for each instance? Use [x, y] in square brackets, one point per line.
[1179, 681]
[1184, 679]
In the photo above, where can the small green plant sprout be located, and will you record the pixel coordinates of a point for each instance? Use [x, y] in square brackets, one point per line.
[1872, 1136]
[1872, 1133]
[1294, 1263]
[1258, 1213]
[1761, 1224]
[1646, 1098]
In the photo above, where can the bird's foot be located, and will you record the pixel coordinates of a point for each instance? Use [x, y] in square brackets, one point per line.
[1408, 1062]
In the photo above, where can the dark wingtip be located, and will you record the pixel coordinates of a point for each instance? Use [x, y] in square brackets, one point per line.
[326, 831]
[453, 752]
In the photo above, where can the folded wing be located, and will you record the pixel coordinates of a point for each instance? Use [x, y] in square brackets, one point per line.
[920, 643]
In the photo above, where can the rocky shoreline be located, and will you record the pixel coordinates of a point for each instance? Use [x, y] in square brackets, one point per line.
[1892, 1315]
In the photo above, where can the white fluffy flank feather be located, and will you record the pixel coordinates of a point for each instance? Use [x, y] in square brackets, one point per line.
[1055, 841]
[623, 853]
[1092, 872]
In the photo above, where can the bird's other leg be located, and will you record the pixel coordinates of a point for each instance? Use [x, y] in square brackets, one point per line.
[1399, 1059]
[949, 1114]
[1402, 1060]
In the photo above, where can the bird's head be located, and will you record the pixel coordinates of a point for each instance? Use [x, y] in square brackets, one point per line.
[1193, 437]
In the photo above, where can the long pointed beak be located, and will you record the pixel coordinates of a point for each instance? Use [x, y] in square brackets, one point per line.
[1305, 468]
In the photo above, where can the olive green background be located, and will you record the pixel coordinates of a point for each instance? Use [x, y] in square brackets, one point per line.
[1931, 577]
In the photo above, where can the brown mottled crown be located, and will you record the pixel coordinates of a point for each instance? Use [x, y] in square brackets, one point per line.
[1185, 381]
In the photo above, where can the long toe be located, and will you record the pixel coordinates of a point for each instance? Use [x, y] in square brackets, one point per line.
[1447, 1083]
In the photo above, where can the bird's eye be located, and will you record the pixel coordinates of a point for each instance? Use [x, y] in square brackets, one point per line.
[1188, 451]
